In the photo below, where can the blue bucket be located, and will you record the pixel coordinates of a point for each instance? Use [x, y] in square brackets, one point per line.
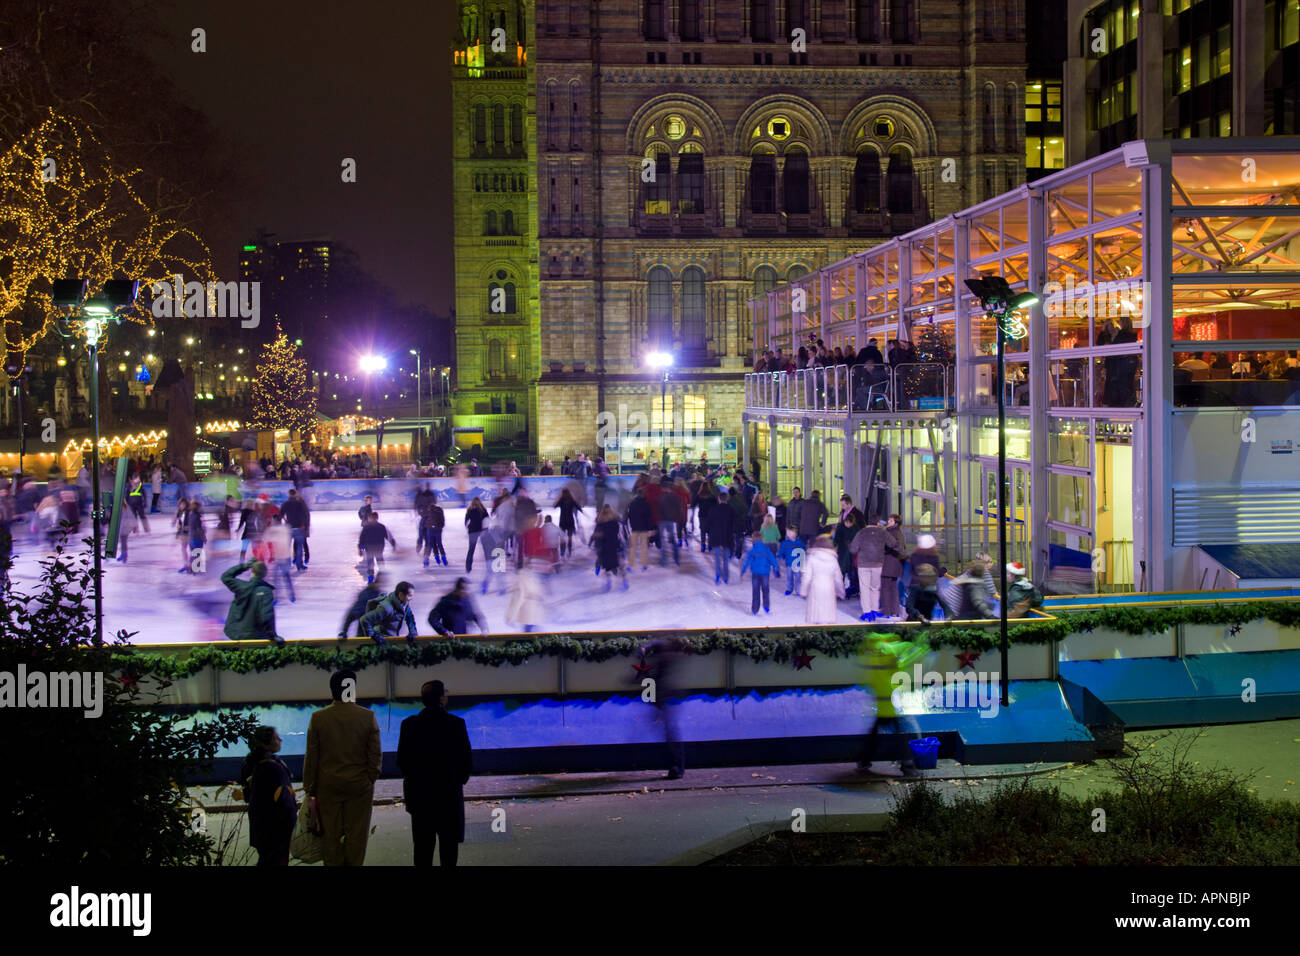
[925, 752]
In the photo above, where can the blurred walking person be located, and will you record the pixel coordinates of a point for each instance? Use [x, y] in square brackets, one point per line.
[435, 758]
[569, 511]
[823, 583]
[373, 591]
[454, 612]
[277, 538]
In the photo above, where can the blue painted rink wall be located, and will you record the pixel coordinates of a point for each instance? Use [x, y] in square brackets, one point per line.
[347, 494]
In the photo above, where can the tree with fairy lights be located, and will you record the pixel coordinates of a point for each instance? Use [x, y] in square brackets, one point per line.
[282, 395]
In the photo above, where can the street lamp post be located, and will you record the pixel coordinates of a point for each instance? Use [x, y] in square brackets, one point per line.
[418, 384]
[662, 360]
[92, 316]
[376, 363]
[1001, 303]
[18, 373]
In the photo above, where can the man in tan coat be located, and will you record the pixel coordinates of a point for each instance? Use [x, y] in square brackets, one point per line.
[342, 764]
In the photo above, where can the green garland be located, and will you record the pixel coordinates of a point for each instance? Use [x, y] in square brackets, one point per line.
[758, 645]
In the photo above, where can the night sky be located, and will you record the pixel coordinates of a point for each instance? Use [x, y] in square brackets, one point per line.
[296, 86]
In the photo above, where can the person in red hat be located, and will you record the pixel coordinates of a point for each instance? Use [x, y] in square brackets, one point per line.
[1021, 593]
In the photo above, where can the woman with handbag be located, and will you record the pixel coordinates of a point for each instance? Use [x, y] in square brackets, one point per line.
[268, 791]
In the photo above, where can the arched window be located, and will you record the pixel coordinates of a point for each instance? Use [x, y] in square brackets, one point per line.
[499, 127]
[900, 181]
[796, 17]
[490, 223]
[688, 15]
[510, 298]
[868, 21]
[508, 223]
[1011, 108]
[480, 128]
[690, 184]
[764, 280]
[866, 182]
[659, 312]
[655, 28]
[657, 194]
[762, 184]
[990, 12]
[517, 126]
[794, 182]
[760, 21]
[693, 309]
[902, 29]
[795, 272]
[990, 123]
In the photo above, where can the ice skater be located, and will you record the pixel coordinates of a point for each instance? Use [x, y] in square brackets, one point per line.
[475, 517]
[373, 591]
[385, 616]
[569, 511]
[791, 555]
[196, 537]
[761, 562]
[526, 599]
[370, 544]
[432, 521]
[606, 540]
[453, 613]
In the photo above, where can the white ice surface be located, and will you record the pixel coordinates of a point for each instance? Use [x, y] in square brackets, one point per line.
[147, 595]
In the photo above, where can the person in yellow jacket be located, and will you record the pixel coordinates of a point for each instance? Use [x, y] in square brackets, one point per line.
[883, 656]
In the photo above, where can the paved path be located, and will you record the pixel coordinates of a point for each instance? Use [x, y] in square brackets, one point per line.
[642, 819]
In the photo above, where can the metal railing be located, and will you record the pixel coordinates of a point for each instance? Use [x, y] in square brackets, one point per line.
[910, 386]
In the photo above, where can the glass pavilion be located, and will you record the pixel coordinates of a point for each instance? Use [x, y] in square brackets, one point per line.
[1153, 406]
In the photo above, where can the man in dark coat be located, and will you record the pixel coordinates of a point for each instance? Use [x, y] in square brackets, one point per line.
[454, 612]
[435, 758]
[721, 528]
[251, 616]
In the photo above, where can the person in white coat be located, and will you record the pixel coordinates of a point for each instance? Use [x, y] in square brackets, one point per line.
[526, 600]
[823, 583]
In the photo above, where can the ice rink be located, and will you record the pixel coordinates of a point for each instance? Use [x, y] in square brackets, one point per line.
[147, 595]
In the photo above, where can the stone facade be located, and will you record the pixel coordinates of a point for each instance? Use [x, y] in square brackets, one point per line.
[682, 157]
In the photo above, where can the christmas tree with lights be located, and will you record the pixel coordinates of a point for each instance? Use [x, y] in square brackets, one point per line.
[282, 395]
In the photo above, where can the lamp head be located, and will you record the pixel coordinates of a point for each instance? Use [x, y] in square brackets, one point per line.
[373, 363]
[659, 360]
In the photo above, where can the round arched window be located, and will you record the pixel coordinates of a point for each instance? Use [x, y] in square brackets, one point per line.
[501, 273]
[884, 127]
[778, 127]
[675, 127]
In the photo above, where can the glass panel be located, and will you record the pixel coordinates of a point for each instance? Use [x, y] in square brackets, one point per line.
[1219, 323]
[1054, 152]
[1119, 379]
[985, 235]
[1067, 263]
[1223, 378]
[1015, 223]
[1116, 191]
[1237, 244]
[1217, 179]
[1069, 559]
[1067, 207]
[1117, 254]
[1067, 442]
[1070, 499]
[985, 439]
[1068, 385]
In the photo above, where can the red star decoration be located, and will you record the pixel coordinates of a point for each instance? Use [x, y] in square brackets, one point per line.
[804, 659]
[642, 668]
[967, 658]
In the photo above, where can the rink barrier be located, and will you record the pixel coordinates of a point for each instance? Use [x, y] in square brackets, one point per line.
[722, 670]
[348, 494]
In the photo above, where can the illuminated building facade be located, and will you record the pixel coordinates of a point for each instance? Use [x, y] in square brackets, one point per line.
[661, 162]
